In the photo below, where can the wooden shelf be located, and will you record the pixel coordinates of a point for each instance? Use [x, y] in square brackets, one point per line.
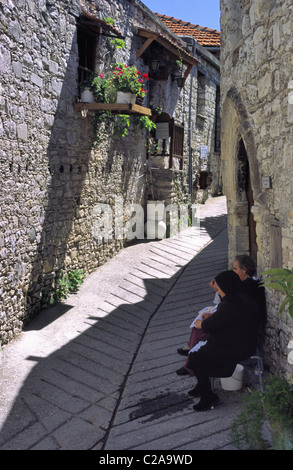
[114, 108]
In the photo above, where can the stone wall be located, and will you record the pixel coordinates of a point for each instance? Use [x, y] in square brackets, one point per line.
[55, 186]
[206, 121]
[51, 179]
[256, 84]
[198, 109]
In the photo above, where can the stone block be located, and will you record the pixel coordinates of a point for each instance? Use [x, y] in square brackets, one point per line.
[264, 85]
[22, 131]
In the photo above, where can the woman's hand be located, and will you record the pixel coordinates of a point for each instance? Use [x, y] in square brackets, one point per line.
[203, 317]
[206, 315]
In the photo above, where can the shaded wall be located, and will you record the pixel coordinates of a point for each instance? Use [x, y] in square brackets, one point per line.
[256, 67]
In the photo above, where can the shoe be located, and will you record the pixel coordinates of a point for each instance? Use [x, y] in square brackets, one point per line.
[183, 352]
[182, 371]
[194, 392]
[207, 404]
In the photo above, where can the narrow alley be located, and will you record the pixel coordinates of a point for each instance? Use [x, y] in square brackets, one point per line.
[98, 371]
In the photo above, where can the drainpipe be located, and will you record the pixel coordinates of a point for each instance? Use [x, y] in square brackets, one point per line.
[189, 123]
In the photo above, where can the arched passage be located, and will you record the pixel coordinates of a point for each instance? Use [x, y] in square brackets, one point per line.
[240, 173]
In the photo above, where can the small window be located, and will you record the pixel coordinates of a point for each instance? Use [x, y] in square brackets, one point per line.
[87, 43]
[177, 144]
[204, 179]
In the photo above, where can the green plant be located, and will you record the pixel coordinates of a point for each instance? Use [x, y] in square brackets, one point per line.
[152, 146]
[106, 124]
[128, 79]
[179, 62]
[180, 199]
[281, 279]
[75, 279]
[274, 403]
[118, 43]
[67, 283]
[103, 127]
[122, 124]
[103, 88]
[157, 110]
[109, 20]
[121, 78]
[144, 122]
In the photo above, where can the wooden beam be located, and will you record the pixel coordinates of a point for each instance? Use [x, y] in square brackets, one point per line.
[144, 47]
[115, 108]
[174, 50]
[187, 71]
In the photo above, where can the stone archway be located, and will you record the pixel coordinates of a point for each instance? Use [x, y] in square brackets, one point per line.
[241, 180]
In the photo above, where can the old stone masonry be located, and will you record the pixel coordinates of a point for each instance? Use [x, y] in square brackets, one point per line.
[59, 165]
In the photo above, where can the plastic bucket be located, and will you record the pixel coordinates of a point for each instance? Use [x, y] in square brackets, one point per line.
[155, 229]
[87, 96]
[155, 210]
[235, 381]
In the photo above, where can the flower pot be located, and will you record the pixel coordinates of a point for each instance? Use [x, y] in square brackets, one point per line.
[139, 100]
[87, 96]
[126, 98]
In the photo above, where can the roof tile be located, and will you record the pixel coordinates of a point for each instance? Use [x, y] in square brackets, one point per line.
[204, 36]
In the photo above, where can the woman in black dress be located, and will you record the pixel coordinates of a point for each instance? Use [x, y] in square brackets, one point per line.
[232, 337]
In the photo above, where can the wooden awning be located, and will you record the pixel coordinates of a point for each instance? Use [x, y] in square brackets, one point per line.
[171, 47]
[96, 25]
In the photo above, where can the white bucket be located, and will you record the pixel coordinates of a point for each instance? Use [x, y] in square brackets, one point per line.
[87, 96]
[155, 210]
[155, 229]
[235, 381]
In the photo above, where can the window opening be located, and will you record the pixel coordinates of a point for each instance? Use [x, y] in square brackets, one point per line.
[169, 141]
[177, 144]
[87, 44]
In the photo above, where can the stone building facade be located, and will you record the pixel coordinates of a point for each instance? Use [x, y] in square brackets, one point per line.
[257, 160]
[202, 107]
[54, 185]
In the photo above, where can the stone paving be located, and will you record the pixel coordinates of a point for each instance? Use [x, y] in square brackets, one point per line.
[98, 371]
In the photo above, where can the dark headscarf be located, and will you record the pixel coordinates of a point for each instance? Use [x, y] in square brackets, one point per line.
[229, 282]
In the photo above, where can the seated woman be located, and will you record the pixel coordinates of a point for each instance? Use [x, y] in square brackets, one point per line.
[232, 334]
[197, 335]
[244, 266]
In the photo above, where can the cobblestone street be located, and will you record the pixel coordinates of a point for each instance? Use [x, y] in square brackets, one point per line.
[98, 371]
